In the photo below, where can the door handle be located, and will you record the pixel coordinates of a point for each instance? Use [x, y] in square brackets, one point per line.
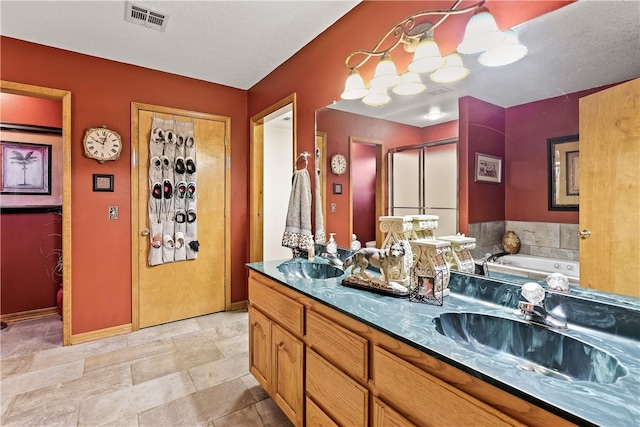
[145, 232]
[584, 234]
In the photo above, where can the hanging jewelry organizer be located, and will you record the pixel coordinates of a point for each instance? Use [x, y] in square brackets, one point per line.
[173, 192]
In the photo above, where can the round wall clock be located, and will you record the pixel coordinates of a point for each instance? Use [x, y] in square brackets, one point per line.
[102, 144]
[338, 164]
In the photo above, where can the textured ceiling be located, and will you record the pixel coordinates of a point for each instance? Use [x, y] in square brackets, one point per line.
[586, 44]
[233, 43]
[236, 43]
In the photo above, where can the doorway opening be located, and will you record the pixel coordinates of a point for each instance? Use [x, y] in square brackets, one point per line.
[366, 202]
[65, 98]
[273, 149]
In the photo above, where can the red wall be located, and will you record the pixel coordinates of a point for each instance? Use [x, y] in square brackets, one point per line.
[481, 131]
[363, 187]
[29, 241]
[339, 126]
[30, 111]
[102, 92]
[440, 131]
[526, 192]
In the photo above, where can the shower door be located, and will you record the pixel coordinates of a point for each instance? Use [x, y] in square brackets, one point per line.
[423, 180]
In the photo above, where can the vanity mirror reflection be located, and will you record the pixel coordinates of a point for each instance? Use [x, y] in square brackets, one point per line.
[507, 112]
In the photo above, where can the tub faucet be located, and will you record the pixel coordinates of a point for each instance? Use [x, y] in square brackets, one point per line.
[532, 307]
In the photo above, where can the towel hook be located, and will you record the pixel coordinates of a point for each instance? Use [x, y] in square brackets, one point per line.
[304, 155]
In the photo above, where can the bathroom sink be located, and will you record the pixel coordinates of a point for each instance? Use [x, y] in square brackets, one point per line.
[309, 270]
[532, 347]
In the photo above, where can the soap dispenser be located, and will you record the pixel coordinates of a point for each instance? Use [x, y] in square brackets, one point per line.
[332, 247]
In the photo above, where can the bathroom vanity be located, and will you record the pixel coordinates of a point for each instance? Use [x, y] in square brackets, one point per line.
[333, 355]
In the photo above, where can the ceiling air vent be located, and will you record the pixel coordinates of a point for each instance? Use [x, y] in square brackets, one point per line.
[144, 16]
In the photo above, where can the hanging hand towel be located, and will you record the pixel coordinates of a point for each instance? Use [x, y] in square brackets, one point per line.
[297, 231]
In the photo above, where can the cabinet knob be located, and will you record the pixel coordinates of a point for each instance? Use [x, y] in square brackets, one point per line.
[145, 232]
[280, 344]
[584, 234]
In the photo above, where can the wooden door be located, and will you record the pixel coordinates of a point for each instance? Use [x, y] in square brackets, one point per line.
[610, 189]
[184, 289]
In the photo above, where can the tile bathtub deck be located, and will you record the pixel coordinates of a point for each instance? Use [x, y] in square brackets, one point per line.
[188, 373]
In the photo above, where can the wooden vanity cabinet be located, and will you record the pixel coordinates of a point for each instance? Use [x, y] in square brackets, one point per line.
[276, 349]
[324, 368]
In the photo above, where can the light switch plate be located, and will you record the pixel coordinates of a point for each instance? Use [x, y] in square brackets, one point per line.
[333, 207]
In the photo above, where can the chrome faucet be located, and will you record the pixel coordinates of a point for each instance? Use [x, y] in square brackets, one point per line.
[333, 259]
[532, 307]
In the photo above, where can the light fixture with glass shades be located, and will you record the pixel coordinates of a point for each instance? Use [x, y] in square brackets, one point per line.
[482, 35]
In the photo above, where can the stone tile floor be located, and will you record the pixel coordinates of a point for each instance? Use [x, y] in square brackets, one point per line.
[194, 372]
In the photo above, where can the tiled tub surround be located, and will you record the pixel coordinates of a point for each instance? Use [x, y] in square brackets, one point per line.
[543, 239]
[612, 326]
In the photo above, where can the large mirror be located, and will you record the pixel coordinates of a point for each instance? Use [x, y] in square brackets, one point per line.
[573, 51]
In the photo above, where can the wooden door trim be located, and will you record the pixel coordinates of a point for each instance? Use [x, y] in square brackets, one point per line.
[65, 97]
[321, 143]
[256, 171]
[136, 107]
[380, 178]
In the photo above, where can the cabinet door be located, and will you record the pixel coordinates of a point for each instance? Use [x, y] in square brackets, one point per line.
[287, 359]
[260, 347]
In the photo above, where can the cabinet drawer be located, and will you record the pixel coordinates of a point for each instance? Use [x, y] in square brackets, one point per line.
[278, 307]
[339, 396]
[316, 417]
[383, 416]
[345, 349]
[427, 400]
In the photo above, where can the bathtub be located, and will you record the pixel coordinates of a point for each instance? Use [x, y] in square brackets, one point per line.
[535, 267]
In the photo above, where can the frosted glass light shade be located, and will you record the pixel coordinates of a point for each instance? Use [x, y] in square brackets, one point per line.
[481, 34]
[506, 53]
[386, 74]
[410, 84]
[354, 86]
[377, 97]
[453, 70]
[427, 56]
[434, 114]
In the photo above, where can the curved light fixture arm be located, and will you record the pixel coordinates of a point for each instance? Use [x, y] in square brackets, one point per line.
[402, 30]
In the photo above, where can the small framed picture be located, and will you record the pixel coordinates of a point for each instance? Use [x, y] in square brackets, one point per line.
[488, 168]
[426, 286]
[337, 188]
[102, 182]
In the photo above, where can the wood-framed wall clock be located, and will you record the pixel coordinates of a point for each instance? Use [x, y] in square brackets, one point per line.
[102, 144]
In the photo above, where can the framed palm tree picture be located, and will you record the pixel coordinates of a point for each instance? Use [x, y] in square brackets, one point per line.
[26, 168]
